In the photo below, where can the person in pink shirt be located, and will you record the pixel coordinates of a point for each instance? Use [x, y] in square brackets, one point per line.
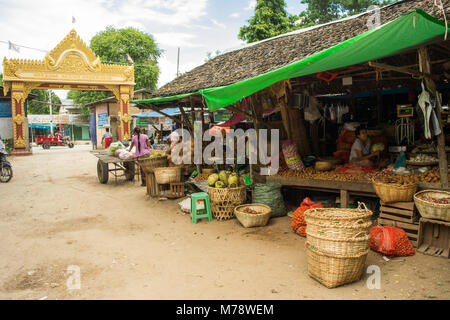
[142, 144]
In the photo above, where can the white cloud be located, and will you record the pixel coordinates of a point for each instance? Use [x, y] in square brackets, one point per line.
[251, 5]
[177, 39]
[218, 24]
[235, 15]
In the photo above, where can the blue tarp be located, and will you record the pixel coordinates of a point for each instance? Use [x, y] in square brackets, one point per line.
[170, 112]
[41, 126]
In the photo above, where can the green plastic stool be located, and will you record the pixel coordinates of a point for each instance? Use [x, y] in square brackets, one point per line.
[194, 211]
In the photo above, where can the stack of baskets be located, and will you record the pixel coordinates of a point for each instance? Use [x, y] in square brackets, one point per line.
[392, 192]
[432, 210]
[167, 175]
[149, 164]
[223, 201]
[337, 244]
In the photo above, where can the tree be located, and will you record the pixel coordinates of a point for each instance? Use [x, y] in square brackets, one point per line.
[323, 11]
[270, 19]
[112, 46]
[35, 107]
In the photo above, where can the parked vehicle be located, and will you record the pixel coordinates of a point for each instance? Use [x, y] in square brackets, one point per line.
[47, 141]
[6, 172]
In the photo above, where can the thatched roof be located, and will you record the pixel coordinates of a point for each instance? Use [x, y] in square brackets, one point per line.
[272, 54]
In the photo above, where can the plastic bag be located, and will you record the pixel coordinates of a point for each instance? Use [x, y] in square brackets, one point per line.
[390, 241]
[125, 155]
[115, 146]
[292, 156]
[298, 222]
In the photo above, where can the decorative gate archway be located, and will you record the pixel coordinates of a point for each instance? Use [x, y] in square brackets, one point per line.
[71, 65]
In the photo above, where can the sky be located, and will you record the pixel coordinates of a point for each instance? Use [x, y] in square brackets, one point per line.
[196, 26]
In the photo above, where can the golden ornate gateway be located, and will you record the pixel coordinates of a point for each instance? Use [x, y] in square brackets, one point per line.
[71, 65]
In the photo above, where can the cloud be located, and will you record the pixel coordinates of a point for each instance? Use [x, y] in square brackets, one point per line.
[251, 5]
[218, 24]
[177, 39]
[235, 15]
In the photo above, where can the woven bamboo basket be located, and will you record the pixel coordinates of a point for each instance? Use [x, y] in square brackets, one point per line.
[390, 192]
[166, 175]
[339, 232]
[431, 210]
[333, 271]
[148, 164]
[209, 171]
[223, 201]
[249, 220]
[323, 166]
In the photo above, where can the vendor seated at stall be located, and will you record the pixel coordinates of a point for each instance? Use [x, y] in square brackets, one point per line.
[360, 154]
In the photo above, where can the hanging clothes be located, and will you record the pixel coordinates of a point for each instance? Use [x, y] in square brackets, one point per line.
[427, 106]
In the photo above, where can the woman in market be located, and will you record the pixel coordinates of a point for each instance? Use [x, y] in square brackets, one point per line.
[142, 144]
[360, 154]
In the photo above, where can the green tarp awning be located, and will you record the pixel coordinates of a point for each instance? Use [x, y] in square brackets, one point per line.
[407, 32]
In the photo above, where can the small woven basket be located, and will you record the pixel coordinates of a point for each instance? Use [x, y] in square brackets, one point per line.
[223, 201]
[333, 271]
[167, 175]
[249, 220]
[390, 192]
[431, 210]
[149, 164]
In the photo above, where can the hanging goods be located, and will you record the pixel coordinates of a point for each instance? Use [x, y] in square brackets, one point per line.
[404, 126]
[427, 107]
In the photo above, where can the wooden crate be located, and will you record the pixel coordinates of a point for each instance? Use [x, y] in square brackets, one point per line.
[434, 238]
[399, 211]
[171, 191]
[411, 229]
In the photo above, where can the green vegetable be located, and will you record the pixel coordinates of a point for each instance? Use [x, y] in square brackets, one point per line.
[233, 181]
[220, 185]
[223, 177]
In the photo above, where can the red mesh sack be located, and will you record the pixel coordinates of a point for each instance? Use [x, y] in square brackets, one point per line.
[298, 219]
[390, 241]
[343, 155]
[302, 231]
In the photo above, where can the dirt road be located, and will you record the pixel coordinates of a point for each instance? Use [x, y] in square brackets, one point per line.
[55, 214]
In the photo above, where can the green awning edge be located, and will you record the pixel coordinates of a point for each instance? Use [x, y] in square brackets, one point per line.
[393, 37]
[164, 99]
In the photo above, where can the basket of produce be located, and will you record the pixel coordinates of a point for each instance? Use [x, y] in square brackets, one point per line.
[323, 166]
[158, 152]
[395, 188]
[209, 171]
[433, 204]
[225, 193]
[422, 160]
[253, 215]
[152, 162]
[167, 175]
[337, 244]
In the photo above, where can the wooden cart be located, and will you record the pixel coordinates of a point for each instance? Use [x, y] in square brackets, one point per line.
[118, 168]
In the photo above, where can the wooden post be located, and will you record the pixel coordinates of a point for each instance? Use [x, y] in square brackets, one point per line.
[345, 199]
[425, 67]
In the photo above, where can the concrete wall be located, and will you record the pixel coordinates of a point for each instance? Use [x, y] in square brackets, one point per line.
[6, 128]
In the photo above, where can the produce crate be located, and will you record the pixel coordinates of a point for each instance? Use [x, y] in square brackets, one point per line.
[434, 238]
[399, 211]
[172, 191]
[411, 229]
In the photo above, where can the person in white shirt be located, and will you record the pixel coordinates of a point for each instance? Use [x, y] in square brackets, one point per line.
[360, 154]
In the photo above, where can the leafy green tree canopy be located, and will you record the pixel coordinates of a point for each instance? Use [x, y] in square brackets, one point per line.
[271, 19]
[112, 45]
[323, 11]
[35, 107]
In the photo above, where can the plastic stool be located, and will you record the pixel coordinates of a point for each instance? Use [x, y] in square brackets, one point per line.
[195, 197]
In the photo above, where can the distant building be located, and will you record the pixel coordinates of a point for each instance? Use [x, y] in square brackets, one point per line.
[105, 113]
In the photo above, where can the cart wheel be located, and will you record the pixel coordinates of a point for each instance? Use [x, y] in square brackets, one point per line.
[102, 172]
[130, 170]
[71, 145]
[46, 146]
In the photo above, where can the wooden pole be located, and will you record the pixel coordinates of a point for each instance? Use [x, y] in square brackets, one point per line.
[425, 67]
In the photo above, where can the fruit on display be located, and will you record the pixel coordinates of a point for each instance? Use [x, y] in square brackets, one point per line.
[156, 155]
[423, 158]
[213, 179]
[378, 147]
[233, 180]
[223, 176]
[220, 185]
